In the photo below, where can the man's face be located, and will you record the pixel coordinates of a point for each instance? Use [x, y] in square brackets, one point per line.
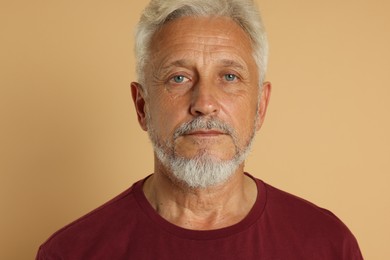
[201, 68]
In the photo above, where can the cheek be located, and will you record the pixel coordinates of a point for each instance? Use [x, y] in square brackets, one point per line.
[242, 115]
[166, 114]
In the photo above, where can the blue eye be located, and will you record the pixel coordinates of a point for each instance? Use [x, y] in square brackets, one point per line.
[178, 79]
[230, 77]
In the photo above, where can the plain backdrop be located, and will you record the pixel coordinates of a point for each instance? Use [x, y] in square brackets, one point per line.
[69, 139]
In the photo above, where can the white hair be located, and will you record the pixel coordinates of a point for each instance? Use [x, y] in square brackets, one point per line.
[243, 12]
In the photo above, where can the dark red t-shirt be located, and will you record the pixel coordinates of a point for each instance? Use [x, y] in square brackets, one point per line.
[279, 226]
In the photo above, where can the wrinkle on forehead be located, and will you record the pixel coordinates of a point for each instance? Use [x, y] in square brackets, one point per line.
[209, 33]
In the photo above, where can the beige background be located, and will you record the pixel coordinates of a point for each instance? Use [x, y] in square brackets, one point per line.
[69, 140]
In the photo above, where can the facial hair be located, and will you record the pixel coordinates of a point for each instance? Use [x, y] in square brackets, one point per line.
[203, 170]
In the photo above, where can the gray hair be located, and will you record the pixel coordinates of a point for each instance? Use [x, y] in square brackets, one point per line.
[243, 12]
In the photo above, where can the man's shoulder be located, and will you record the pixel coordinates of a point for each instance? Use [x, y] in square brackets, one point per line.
[283, 202]
[102, 222]
[293, 218]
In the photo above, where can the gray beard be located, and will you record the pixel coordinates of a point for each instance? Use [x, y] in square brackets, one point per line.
[203, 170]
[200, 172]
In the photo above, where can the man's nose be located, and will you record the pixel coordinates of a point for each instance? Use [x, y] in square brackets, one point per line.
[204, 100]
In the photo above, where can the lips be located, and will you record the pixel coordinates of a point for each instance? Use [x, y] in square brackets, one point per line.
[205, 133]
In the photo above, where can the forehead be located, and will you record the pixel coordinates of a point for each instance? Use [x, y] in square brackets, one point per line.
[214, 36]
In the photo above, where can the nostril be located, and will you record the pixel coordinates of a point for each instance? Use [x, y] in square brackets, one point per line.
[204, 108]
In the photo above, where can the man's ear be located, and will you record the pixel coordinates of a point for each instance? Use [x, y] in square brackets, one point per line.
[138, 96]
[264, 100]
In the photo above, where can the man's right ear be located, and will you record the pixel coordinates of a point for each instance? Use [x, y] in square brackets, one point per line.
[138, 96]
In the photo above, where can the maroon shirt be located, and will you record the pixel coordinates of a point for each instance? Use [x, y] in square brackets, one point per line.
[279, 226]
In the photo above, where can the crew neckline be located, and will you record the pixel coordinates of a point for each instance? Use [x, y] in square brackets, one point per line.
[253, 215]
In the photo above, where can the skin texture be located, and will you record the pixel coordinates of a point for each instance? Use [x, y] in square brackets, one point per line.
[201, 67]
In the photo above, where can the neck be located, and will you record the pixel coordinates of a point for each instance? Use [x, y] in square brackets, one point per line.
[201, 209]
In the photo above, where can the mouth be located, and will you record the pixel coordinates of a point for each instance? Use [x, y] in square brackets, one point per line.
[206, 133]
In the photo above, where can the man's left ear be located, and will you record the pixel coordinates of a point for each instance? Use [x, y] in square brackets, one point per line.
[264, 99]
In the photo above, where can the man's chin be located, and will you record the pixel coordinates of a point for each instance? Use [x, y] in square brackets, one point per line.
[206, 156]
[202, 171]
[215, 150]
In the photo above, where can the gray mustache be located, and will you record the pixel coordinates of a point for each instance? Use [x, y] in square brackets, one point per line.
[200, 123]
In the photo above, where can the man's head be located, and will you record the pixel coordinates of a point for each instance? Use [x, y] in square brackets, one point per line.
[200, 97]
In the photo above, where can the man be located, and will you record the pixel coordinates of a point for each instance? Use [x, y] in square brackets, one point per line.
[201, 97]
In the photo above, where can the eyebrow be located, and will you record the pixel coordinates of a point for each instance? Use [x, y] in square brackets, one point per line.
[176, 63]
[232, 63]
[228, 63]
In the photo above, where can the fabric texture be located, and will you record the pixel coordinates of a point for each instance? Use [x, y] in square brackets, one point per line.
[279, 226]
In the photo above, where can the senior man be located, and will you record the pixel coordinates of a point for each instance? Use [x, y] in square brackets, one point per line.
[201, 96]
